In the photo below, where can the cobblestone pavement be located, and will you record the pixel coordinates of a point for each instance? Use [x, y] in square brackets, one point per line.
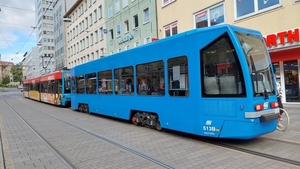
[90, 141]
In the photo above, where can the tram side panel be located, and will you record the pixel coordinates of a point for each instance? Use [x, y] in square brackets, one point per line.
[219, 115]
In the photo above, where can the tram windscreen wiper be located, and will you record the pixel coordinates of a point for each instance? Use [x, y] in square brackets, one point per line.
[256, 90]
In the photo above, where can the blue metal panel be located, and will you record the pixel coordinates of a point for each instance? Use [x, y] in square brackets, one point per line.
[213, 117]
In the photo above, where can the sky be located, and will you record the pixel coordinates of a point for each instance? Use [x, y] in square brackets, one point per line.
[17, 33]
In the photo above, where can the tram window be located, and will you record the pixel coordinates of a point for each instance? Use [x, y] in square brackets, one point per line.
[105, 82]
[150, 78]
[59, 85]
[26, 87]
[220, 69]
[73, 85]
[124, 81]
[49, 87]
[53, 86]
[44, 87]
[91, 84]
[35, 86]
[67, 82]
[178, 80]
[80, 84]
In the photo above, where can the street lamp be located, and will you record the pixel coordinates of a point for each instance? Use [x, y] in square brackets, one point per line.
[67, 19]
[47, 56]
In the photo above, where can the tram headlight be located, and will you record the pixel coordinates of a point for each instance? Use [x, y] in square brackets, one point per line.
[274, 104]
[259, 107]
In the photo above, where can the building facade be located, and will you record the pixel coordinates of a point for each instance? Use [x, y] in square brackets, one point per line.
[59, 38]
[85, 40]
[102, 28]
[5, 68]
[276, 19]
[60, 8]
[31, 63]
[45, 35]
[129, 24]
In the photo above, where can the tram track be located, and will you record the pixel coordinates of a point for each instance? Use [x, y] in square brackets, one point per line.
[280, 140]
[260, 154]
[57, 152]
[2, 152]
[232, 145]
[215, 142]
[69, 162]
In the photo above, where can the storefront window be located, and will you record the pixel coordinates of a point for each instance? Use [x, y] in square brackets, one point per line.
[276, 71]
[291, 81]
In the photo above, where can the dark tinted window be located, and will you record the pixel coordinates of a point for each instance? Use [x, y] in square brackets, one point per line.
[150, 78]
[124, 81]
[178, 80]
[220, 69]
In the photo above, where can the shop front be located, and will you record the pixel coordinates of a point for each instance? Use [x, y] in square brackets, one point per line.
[284, 48]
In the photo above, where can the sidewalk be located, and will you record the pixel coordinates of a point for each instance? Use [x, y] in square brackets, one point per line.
[292, 134]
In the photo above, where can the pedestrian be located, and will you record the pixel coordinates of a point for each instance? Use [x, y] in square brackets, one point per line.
[279, 96]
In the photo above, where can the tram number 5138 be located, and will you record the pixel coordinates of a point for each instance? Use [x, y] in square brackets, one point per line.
[209, 128]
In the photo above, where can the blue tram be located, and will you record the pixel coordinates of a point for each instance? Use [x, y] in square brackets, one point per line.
[215, 81]
[53, 88]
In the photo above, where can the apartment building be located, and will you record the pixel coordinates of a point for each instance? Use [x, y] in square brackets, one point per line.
[277, 20]
[31, 63]
[85, 40]
[60, 8]
[45, 35]
[5, 68]
[129, 24]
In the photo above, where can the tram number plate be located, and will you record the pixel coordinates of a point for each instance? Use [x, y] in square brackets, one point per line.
[209, 128]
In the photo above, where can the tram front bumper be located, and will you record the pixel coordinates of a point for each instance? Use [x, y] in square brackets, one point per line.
[264, 115]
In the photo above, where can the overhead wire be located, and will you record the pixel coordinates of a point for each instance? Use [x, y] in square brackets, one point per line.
[6, 42]
[51, 9]
[26, 41]
[17, 8]
[15, 24]
[34, 28]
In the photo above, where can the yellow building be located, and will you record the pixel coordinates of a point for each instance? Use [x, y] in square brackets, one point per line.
[277, 20]
[5, 68]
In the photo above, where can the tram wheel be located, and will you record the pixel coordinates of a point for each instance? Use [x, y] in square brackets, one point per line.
[88, 110]
[80, 108]
[158, 126]
[134, 119]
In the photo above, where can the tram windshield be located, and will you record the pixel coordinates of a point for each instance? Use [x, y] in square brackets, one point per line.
[258, 63]
[67, 83]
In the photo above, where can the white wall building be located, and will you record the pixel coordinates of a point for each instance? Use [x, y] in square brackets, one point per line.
[45, 35]
[85, 40]
[60, 8]
[31, 63]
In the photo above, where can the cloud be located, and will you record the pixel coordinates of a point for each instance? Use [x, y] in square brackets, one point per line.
[17, 17]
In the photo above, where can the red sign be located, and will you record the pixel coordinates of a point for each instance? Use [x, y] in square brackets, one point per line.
[154, 39]
[281, 38]
[52, 76]
[32, 80]
[201, 14]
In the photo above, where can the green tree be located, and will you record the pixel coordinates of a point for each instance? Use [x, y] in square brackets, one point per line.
[5, 80]
[17, 73]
